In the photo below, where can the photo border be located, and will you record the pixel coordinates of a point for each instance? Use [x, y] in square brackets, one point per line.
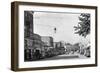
[15, 34]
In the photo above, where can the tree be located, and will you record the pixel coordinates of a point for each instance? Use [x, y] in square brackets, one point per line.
[83, 27]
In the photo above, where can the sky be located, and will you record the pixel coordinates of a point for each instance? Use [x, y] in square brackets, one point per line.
[45, 22]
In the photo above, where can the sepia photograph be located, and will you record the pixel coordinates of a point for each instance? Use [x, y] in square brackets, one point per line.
[56, 35]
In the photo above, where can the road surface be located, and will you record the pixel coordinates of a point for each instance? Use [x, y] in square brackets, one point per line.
[64, 56]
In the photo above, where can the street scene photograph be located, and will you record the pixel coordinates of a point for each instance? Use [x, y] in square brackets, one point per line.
[56, 35]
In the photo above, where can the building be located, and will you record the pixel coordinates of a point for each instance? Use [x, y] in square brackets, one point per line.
[32, 45]
[59, 44]
[28, 23]
[59, 47]
[48, 41]
[32, 41]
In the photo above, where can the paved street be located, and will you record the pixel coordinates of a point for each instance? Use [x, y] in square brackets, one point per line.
[65, 56]
[59, 57]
